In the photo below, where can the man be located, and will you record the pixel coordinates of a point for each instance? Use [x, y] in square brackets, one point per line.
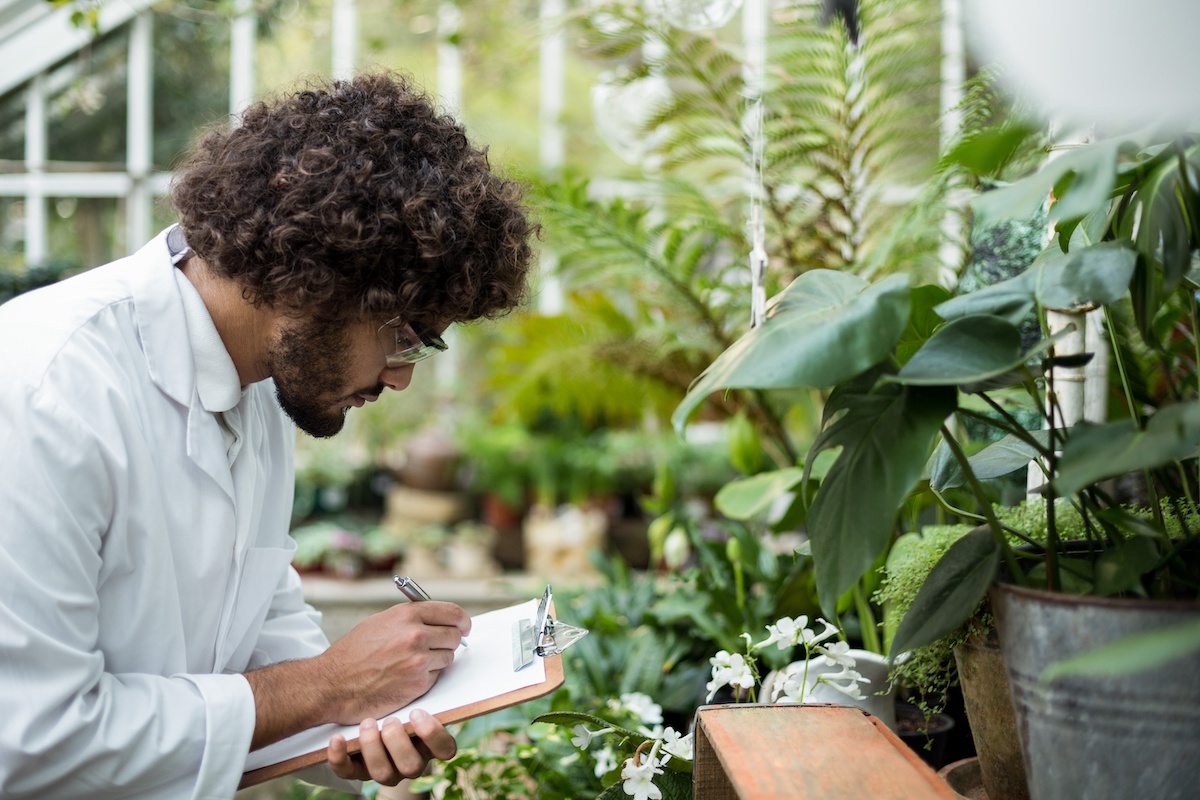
[152, 632]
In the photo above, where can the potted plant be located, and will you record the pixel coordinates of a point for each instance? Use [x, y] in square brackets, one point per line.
[904, 365]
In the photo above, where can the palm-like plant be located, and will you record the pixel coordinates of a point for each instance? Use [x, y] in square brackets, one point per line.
[839, 125]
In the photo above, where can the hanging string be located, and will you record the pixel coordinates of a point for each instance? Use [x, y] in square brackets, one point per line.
[758, 226]
[754, 30]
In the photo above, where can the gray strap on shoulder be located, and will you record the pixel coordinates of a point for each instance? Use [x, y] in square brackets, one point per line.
[177, 245]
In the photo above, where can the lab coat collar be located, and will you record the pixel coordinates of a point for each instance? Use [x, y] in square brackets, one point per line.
[162, 326]
[161, 320]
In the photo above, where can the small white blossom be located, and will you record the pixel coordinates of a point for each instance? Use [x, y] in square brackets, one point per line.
[643, 707]
[785, 632]
[606, 761]
[837, 653]
[677, 745]
[850, 688]
[638, 781]
[811, 639]
[788, 632]
[583, 737]
[729, 669]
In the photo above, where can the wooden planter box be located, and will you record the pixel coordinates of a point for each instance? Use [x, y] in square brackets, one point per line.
[781, 752]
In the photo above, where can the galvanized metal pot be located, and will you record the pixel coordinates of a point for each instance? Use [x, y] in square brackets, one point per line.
[1135, 735]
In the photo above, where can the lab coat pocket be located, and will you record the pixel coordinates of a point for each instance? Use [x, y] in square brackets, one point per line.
[262, 574]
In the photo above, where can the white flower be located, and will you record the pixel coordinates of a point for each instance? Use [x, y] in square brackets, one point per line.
[788, 632]
[676, 745]
[811, 639]
[785, 687]
[729, 669]
[638, 781]
[643, 707]
[852, 678]
[583, 737]
[785, 632]
[850, 690]
[836, 653]
[606, 761]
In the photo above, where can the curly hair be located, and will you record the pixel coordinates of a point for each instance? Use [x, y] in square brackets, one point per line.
[356, 200]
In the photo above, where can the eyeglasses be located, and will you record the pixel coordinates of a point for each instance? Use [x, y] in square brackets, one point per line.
[403, 344]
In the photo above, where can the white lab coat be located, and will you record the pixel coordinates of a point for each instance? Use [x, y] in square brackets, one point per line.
[136, 584]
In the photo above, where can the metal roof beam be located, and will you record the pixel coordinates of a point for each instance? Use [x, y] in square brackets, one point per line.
[50, 38]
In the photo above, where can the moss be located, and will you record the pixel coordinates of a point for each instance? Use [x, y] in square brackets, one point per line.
[930, 670]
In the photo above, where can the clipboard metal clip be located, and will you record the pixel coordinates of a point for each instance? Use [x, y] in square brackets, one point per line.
[542, 636]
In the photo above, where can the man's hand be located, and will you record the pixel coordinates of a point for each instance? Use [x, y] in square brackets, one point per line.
[393, 657]
[388, 754]
[384, 663]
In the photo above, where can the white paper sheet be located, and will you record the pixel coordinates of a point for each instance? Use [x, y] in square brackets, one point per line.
[480, 671]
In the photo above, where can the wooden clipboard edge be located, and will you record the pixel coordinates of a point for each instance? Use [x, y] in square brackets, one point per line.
[554, 679]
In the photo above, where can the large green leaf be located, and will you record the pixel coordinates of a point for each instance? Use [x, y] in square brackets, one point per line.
[1095, 452]
[573, 718]
[999, 458]
[966, 350]
[923, 320]
[1130, 654]
[1093, 168]
[885, 438]
[1012, 300]
[749, 497]
[824, 328]
[988, 151]
[1097, 274]
[952, 591]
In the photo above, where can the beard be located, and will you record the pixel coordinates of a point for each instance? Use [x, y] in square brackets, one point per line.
[306, 364]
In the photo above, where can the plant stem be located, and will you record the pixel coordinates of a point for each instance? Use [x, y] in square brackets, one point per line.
[866, 620]
[988, 512]
[1108, 320]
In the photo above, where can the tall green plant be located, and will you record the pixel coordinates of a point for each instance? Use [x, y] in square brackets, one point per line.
[1125, 218]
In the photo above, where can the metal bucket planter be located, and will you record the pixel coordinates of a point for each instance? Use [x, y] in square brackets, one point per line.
[1135, 735]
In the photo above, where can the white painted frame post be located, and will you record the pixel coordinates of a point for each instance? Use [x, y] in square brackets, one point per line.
[35, 166]
[139, 136]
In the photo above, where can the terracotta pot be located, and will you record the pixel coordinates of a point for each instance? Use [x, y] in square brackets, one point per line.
[988, 703]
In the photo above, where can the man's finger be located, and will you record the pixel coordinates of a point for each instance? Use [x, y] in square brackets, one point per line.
[375, 754]
[403, 750]
[436, 612]
[433, 735]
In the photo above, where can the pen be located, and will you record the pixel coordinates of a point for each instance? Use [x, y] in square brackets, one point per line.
[413, 591]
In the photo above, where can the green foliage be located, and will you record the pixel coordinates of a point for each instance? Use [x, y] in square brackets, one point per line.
[928, 661]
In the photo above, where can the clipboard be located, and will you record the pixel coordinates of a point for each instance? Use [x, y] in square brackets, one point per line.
[526, 634]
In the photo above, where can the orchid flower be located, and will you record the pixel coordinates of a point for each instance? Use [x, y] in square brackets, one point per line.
[837, 653]
[811, 639]
[852, 678]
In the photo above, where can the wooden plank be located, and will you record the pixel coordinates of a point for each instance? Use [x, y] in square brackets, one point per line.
[817, 752]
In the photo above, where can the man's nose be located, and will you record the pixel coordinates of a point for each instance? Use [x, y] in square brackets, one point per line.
[397, 378]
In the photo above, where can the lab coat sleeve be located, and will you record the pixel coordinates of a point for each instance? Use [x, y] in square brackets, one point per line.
[70, 728]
